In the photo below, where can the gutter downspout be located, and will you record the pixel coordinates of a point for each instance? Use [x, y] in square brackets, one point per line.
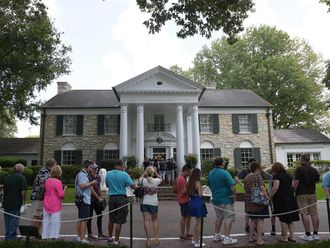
[268, 114]
[42, 136]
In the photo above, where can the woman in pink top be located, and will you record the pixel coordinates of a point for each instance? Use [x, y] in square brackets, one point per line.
[53, 204]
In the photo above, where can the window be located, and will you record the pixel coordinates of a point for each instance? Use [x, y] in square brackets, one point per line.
[246, 154]
[111, 154]
[111, 123]
[68, 157]
[206, 123]
[207, 153]
[290, 157]
[245, 124]
[69, 124]
[159, 122]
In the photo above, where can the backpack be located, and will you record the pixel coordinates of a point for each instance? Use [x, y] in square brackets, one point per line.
[169, 165]
[162, 166]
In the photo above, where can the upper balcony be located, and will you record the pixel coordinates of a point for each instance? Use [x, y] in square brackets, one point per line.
[158, 128]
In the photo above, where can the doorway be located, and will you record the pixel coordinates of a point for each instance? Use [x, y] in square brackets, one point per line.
[159, 152]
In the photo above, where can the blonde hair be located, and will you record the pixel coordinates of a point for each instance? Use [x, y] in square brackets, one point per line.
[56, 171]
[150, 172]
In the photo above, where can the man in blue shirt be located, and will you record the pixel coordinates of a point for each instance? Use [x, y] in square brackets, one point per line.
[223, 188]
[326, 184]
[117, 180]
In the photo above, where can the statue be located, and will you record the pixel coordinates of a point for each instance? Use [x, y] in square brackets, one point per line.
[103, 174]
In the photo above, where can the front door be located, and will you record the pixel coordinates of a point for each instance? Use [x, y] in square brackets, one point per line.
[159, 152]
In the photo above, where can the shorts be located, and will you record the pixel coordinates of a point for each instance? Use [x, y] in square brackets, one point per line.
[184, 209]
[145, 208]
[119, 216]
[83, 210]
[37, 208]
[307, 200]
[226, 216]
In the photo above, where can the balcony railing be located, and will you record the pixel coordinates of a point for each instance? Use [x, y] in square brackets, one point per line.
[159, 128]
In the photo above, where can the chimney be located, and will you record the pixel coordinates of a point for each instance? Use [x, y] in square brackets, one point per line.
[63, 87]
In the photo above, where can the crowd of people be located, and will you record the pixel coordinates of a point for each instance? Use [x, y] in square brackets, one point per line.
[288, 198]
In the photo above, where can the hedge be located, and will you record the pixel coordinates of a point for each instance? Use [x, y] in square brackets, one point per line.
[28, 173]
[6, 162]
[3, 174]
[52, 244]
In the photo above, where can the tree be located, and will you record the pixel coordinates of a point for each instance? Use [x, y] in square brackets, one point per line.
[326, 79]
[31, 56]
[197, 17]
[7, 130]
[283, 70]
[327, 2]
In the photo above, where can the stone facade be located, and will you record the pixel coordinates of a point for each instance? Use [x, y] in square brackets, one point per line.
[89, 142]
[228, 141]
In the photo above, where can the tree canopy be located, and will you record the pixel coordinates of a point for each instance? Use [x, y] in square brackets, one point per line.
[197, 17]
[7, 130]
[31, 56]
[283, 70]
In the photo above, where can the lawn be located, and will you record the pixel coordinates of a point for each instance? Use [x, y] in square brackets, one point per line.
[68, 198]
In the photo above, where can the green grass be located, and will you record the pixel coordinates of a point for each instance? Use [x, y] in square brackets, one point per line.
[69, 196]
[319, 191]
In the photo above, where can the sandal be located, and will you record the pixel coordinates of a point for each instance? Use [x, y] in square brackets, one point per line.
[261, 244]
[157, 242]
[148, 243]
[252, 241]
[292, 240]
[283, 240]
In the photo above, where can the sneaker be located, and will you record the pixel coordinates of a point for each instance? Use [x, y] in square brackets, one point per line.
[77, 239]
[116, 242]
[84, 241]
[198, 244]
[229, 241]
[102, 237]
[110, 241]
[306, 238]
[91, 237]
[218, 237]
[316, 237]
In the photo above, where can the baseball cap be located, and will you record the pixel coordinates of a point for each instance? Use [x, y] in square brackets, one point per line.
[94, 166]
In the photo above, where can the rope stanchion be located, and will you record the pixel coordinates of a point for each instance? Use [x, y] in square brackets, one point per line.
[64, 221]
[328, 211]
[131, 225]
[202, 226]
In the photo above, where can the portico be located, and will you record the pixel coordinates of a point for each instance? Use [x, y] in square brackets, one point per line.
[159, 115]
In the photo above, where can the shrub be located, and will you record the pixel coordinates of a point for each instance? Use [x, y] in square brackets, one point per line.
[69, 173]
[207, 166]
[3, 174]
[107, 164]
[6, 162]
[232, 171]
[191, 159]
[136, 172]
[28, 173]
[131, 162]
[35, 169]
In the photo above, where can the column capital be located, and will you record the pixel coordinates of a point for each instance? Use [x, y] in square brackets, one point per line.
[194, 108]
[123, 108]
[179, 107]
[139, 108]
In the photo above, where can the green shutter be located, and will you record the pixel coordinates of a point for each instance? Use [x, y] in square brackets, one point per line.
[78, 157]
[80, 124]
[118, 127]
[254, 120]
[235, 123]
[199, 123]
[99, 157]
[59, 125]
[215, 123]
[237, 158]
[100, 124]
[58, 157]
[256, 154]
[217, 152]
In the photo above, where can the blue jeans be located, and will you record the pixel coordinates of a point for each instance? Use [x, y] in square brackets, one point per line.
[11, 224]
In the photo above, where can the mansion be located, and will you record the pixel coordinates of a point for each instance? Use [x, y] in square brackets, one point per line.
[157, 113]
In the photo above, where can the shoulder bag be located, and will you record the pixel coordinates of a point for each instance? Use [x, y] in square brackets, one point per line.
[256, 195]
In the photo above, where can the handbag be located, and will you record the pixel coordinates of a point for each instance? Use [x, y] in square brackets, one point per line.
[139, 190]
[256, 195]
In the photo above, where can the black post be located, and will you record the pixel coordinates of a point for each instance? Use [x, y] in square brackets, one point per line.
[328, 210]
[131, 225]
[27, 241]
[202, 224]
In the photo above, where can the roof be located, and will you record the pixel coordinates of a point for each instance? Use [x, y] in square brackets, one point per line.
[232, 98]
[83, 99]
[12, 146]
[107, 99]
[299, 136]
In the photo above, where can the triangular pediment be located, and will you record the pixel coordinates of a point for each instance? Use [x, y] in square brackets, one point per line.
[158, 80]
[164, 136]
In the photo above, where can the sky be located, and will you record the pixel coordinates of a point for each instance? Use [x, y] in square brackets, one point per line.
[111, 45]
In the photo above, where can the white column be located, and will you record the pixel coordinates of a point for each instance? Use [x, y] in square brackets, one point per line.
[195, 134]
[123, 131]
[171, 152]
[189, 135]
[140, 135]
[179, 137]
